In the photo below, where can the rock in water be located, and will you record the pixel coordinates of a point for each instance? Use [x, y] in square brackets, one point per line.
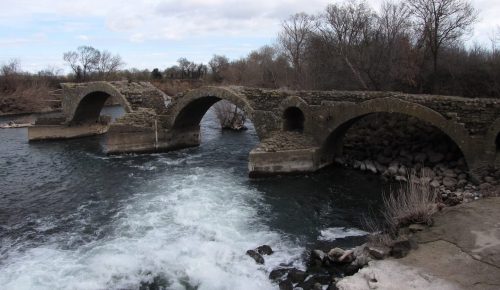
[278, 273]
[297, 276]
[335, 253]
[318, 254]
[286, 285]
[265, 250]
[256, 256]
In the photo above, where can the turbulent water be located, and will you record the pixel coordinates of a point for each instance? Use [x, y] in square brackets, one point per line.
[73, 218]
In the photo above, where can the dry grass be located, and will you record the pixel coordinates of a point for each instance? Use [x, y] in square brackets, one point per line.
[413, 203]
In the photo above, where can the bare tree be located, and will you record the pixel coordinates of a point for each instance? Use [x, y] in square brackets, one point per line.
[229, 116]
[345, 27]
[83, 61]
[442, 22]
[293, 41]
[12, 67]
[219, 64]
[108, 63]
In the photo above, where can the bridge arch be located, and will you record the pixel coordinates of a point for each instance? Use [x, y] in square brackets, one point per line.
[87, 105]
[294, 114]
[188, 111]
[350, 114]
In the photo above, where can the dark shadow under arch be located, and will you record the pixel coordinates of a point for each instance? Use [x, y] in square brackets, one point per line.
[90, 106]
[334, 144]
[293, 120]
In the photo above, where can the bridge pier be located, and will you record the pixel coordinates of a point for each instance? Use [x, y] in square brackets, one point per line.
[54, 128]
[124, 138]
[55, 132]
[284, 162]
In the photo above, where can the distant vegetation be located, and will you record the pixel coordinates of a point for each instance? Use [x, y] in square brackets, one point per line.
[415, 46]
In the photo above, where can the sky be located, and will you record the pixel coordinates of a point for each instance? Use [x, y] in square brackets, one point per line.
[156, 33]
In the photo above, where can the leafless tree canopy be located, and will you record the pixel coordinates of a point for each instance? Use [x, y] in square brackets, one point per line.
[442, 22]
[293, 40]
[88, 60]
[414, 46]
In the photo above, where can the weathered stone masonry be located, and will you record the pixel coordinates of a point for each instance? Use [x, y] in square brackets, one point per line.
[156, 122]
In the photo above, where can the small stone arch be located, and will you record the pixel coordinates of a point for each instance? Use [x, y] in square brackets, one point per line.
[295, 114]
[293, 120]
[190, 108]
[351, 113]
[86, 105]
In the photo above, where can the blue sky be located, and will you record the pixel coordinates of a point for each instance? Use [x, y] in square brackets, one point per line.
[155, 33]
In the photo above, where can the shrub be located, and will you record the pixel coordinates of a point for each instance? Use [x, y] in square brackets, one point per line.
[414, 202]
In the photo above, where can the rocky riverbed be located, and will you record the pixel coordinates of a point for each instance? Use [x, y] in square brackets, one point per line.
[396, 146]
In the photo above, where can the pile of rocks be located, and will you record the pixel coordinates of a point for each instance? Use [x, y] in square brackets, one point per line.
[285, 140]
[326, 268]
[396, 146]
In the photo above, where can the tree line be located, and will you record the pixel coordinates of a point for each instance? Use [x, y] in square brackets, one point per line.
[415, 46]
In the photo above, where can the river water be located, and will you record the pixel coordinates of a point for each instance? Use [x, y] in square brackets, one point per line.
[74, 218]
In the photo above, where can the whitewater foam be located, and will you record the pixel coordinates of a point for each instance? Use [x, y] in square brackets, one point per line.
[192, 231]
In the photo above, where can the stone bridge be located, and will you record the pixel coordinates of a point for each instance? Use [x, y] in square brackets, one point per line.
[299, 131]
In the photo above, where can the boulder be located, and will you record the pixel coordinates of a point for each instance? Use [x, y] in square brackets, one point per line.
[485, 186]
[265, 250]
[286, 285]
[402, 170]
[335, 253]
[318, 254]
[378, 252]
[450, 173]
[256, 256]
[322, 279]
[401, 178]
[449, 182]
[296, 276]
[278, 273]
[347, 257]
[370, 166]
[393, 169]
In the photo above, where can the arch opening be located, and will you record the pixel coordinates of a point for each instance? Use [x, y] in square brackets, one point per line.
[226, 113]
[97, 107]
[395, 145]
[293, 120]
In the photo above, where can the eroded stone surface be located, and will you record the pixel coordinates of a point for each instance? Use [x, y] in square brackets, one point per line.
[461, 251]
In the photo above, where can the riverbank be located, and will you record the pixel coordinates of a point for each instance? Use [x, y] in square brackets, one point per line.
[460, 251]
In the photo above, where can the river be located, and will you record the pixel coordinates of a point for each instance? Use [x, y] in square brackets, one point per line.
[74, 218]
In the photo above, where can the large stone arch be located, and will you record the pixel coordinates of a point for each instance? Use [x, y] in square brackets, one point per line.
[85, 104]
[187, 111]
[345, 115]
